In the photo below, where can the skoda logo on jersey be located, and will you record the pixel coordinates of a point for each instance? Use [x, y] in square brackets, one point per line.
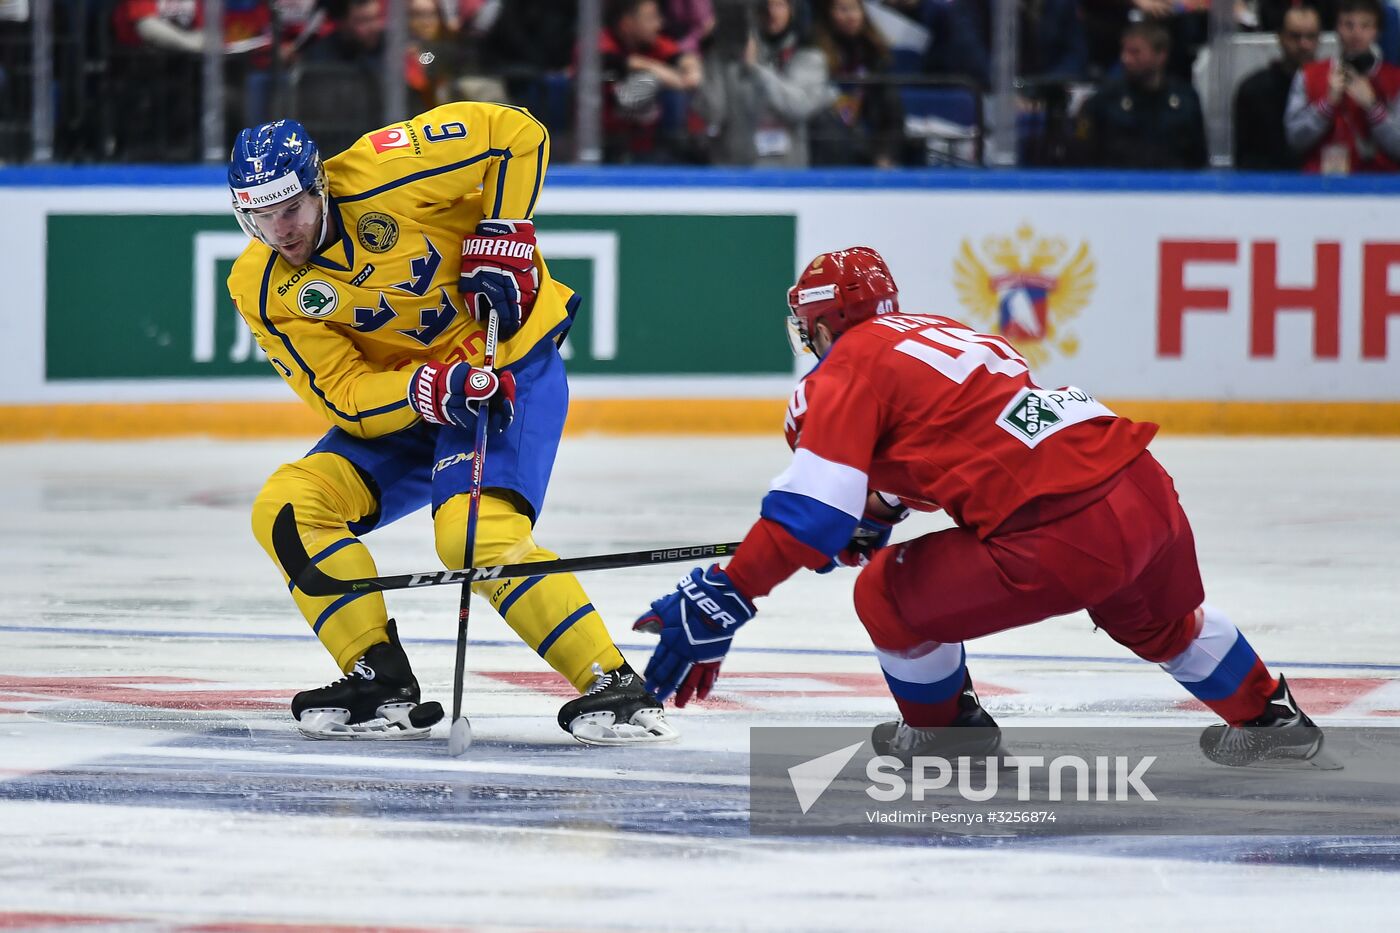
[377, 232]
[317, 299]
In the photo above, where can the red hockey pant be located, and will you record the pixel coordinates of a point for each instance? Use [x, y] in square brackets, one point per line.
[1128, 558]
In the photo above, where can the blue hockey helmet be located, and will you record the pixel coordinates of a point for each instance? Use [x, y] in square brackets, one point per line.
[272, 163]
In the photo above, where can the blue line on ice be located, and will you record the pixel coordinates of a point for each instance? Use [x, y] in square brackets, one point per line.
[502, 643]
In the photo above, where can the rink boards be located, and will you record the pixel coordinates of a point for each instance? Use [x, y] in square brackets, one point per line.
[1211, 304]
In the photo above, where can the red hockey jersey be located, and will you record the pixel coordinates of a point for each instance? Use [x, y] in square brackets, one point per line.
[924, 408]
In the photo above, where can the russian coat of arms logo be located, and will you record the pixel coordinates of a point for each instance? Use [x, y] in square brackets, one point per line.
[1027, 288]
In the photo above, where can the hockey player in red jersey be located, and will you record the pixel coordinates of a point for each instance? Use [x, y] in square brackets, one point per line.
[1058, 507]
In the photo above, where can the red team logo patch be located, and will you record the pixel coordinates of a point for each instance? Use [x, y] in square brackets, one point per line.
[393, 138]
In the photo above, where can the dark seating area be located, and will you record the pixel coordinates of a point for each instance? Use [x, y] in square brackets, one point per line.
[884, 83]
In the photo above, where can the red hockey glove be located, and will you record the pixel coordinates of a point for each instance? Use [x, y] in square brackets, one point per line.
[498, 272]
[454, 394]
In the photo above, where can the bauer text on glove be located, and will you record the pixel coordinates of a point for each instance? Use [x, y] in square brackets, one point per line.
[696, 624]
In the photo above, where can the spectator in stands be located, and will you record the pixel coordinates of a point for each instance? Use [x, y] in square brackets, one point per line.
[1051, 41]
[1186, 23]
[338, 86]
[1146, 119]
[156, 73]
[763, 83]
[532, 37]
[1342, 114]
[358, 38]
[427, 54]
[463, 58]
[689, 22]
[179, 27]
[866, 125]
[1260, 102]
[639, 66]
[302, 23]
[1270, 13]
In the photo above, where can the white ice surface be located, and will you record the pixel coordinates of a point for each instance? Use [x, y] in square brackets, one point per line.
[150, 778]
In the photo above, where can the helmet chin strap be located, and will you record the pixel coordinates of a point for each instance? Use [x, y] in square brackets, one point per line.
[325, 220]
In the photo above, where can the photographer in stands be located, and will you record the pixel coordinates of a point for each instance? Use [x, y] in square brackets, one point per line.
[1341, 115]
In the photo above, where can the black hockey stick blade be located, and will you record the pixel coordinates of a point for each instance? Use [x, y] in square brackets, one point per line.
[286, 543]
[312, 581]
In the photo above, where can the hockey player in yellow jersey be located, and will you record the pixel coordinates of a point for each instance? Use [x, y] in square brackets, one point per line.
[365, 283]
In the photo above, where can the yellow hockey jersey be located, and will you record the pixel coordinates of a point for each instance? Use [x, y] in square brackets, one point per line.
[347, 329]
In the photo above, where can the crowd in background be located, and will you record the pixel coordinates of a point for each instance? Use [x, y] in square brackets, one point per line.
[1108, 83]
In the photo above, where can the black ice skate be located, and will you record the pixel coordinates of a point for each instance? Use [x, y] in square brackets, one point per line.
[1282, 735]
[378, 699]
[973, 733]
[616, 710]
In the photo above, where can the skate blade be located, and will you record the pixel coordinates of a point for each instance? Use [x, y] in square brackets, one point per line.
[974, 761]
[1322, 760]
[647, 727]
[392, 725]
[1315, 758]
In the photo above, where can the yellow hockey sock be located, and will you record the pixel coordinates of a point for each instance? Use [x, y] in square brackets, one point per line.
[551, 613]
[328, 492]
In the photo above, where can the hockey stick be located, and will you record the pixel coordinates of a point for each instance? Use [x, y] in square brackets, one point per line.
[460, 735]
[313, 582]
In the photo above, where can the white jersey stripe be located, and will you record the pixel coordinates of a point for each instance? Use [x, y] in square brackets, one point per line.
[834, 484]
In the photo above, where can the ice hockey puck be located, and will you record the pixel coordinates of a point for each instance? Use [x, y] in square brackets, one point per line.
[425, 714]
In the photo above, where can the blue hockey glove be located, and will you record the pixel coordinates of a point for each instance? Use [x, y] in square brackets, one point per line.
[499, 274]
[696, 624]
[453, 394]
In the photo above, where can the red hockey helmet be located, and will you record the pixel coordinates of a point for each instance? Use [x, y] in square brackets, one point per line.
[839, 289]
